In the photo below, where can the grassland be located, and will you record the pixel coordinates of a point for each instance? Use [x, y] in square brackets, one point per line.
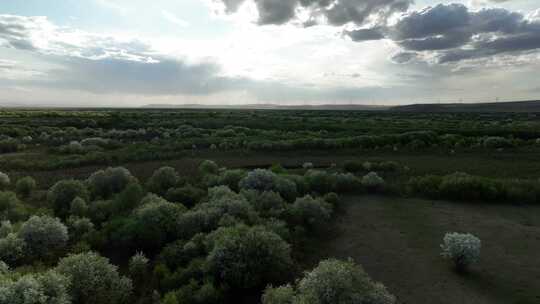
[397, 240]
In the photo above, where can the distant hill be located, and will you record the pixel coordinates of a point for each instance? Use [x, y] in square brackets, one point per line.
[270, 107]
[506, 107]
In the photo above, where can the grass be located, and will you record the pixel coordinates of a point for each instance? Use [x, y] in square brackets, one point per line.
[508, 164]
[397, 241]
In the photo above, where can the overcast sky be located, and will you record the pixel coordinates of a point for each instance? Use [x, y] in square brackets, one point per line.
[137, 52]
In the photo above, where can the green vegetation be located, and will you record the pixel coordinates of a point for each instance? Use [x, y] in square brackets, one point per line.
[193, 206]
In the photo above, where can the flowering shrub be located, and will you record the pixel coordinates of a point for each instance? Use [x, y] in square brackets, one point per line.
[462, 249]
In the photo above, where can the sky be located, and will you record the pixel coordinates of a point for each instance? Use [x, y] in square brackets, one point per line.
[124, 53]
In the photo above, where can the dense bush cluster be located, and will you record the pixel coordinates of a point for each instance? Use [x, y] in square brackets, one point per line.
[466, 187]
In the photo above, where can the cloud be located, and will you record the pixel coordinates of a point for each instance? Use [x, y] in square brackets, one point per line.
[174, 19]
[404, 57]
[365, 34]
[453, 33]
[104, 65]
[334, 12]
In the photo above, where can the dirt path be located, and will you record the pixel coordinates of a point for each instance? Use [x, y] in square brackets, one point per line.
[397, 242]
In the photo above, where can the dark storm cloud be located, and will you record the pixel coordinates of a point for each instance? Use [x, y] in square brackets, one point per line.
[453, 33]
[336, 12]
[275, 11]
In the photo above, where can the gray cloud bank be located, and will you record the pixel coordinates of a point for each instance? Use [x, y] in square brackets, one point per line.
[335, 12]
[454, 33]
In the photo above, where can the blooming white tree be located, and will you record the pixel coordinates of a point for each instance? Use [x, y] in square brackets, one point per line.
[463, 249]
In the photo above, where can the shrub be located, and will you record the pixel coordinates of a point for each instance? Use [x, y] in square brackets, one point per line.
[260, 180]
[187, 195]
[44, 236]
[78, 207]
[332, 198]
[101, 211]
[308, 166]
[462, 249]
[49, 288]
[267, 203]
[332, 281]
[310, 213]
[463, 186]
[155, 223]
[93, 280]
[4, 181]
[347, 182]
[208, 167]
[353, 166]
[11, 207]
[320, 181]
[195, 293]
[496, 142]
[428, 185]
[74, 147]
[25, 185]
[79, 227]
[231, 178]
[63, 193]
[138, 268]
[279, 295]
[11, 249]
[162, 180]
[245, 257]
[372, 181]
[5, 229]
[104, 183]
[302, 187]
[286, 188]
[130, 198]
